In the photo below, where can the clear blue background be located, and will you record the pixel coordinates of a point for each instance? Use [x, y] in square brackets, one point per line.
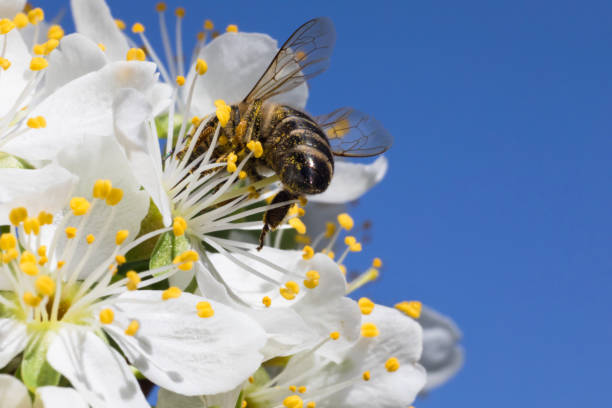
[496, 209]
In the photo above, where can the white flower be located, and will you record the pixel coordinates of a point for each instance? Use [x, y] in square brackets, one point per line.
[62, 300]
[8, 8]
[14, 394]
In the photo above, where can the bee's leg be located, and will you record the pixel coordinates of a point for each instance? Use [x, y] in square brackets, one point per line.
[274, 217]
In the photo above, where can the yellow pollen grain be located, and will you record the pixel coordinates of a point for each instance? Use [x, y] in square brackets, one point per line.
[137, 28]
[350, 240]
[132, 328]
[42, 250]
[266, 301]
[36, 15]
[79, 206]
[102, 189]
[38, 49]
[208, 25]
[204, 309]
[232, 28]
[4, 63]
[365, 305]
[292, 388]
[302, 389]
[345, 221]
[120, 259]
[7, 241]
[195, 121]
[31, 226]
[298, 225]
[50, 45]
[120, 24]
[121, 236]
[308, 252]
[293, 401]
[376, 263]
[114, 197]
[223, 111]
[135, 54]
[107, 316]
[31, 299]
[256, 148]
[356, 247]
[330, 228]
[312, 279]
[21, 20]
[45, 285]
[90, 239]
[369, 330]
[45, 218]
[392, 364]
[171, 293]
[180, 80]
[27, 256]
[160, 7]
[180, 12]
[366, 376]
[18, 215]
[36, 122]
[187, 256]
[133, 280]
[179, 226]
[201, 66]
[334, 335]
[410, 308]
[242, 175]
[60, 264]
[55, 32]
[43, 260]
[38, 64]
[70, 232]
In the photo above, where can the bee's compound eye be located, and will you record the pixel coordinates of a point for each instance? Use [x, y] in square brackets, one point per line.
[306, 172]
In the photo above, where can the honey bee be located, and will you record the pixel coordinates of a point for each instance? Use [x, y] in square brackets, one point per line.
[298, 148]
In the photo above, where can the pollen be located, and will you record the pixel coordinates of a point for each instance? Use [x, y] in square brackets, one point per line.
[4, 63]
[102, 47]
[312, 279]
[133, 280]
[31, 226]
[114, 197]
[195, 121]
[45, 218]
[345, 221]
[366, 376]
[18, 215]
[377, 263]
[102, 189]
[266, 301]
[369, 330]
[29, 268]
[120, 24]
[331, 254]
[412, 309]
[330, 229]
[137, 28]
[242, 175]
[38, 64]
[311, 404]
[120, 259]
[201, 66]
[292, 388]
[132, 328]
[160, 7]
[107, 316]
[256, 148]
[70, 232]
[45, 285]
[121, 236]
[180, 12]
[31, 299]
[7, 241]
[179, 226]
[21, 20]
[392, 364]
[55, 32]
[208, 25]
[79, 206]
[301, 389]
[365, 305]
[36, 15]
[298, 225]
[171, 293]
[6, 26]
[180, 80]
[36, 122]
[289, 291]
[10, 255]
[356, 247]
[350, 240]
[60, 264]
[232, 28]
[308, 252]
[223, 111]
[135, 54]
[205, 309]
[334, 335]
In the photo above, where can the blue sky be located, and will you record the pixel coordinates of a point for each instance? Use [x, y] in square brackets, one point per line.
[496, 208]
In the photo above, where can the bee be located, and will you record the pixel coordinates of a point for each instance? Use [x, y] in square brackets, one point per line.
[297, 147]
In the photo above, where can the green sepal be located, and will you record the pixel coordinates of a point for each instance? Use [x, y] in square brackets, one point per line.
[161, 124]
[35, 370]
[151, 222]
[11, 162]
[167, 248]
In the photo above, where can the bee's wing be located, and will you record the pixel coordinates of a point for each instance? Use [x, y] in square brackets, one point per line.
[304, 55]
[354, 134]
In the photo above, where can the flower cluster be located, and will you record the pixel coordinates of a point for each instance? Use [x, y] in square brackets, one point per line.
[128, 248]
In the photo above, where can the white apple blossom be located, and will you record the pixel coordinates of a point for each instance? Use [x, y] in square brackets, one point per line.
[14, 394]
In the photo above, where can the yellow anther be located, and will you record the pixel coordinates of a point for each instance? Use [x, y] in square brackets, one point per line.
[377, 263]
[31, 299]
[18, 215]
[187, 256]
[27, 257]
[6, 26]
[205, 309]
[231, 167]
[334, 335]
[179, 226]
[292, 388]
[50, 45]
[42, 250]
[243, 404]
[39, 49]
[298, 225]
[412, 309]
[102, 189]
[107, 316]
[102, 47]
[70, 232]
[135, 54]
[302, 239]
[242, 175]
[36, 122]
[311, 404]
[120, 259]
[10, 255]
[180, 80]
[133, 280]
[345, 221]
[160, 7]
[223, 111]
[21, 20]
[195, 121]
[55, 32]
[350, 240]
[171, 293]
[29, 268]
[45, 218]
[356, 247]
[114, 197]
[180, 12]
[308, 252]
[266, 301]
[60, 264]
[137, 28]
[222, 140]
[369, 330]
[4, 63]
[36, 15]
[208, 25]
[256, 148]
[201, 66]
[290, 290]
[251, 380]
[342, 269]
[293, 401]
[121, 236]
[7, 241]
[293, 286]
[132, 328]
[43, 260]
[392, 364]
[330, 229]
[302, 389]
[79, 205]
[232, 28]
[45, 285]
[312, 279]
[366, 305]
[120, 24]
[186, 266]
[366, 376]
[331, 254]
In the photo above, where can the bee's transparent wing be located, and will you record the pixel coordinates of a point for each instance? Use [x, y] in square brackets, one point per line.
[354, 134]
[304, 55]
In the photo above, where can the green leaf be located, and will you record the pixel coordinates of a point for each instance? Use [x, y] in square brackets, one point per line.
[167, 248]
[35, 371]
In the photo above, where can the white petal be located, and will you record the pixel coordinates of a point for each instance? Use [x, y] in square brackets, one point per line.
[58, 397]
[131, 110]
[38, 189]
[351, 181]
[93, 19]
[13, 81]
[13, 393]
[182, 352]
[77, 56]
[94, 369]
[169, 399]
[235, 62]
[13, 339]
[8, 8]
[101, 158]
[318, 214]
[82, 107]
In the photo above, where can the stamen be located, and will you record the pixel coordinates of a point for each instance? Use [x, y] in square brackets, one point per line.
[179, 226]
[223, 112]
[120, 24]
[7, 241]
[135, 54]
[31, 300]
[55, 32]
[114, 197]
[369, 330]
[256, 148]
[366, 376]
[107, 316]
[412, 309]
[31, 226]
[121, 236]
[392, 364]
[208, 25]
[180, 80]
[18, 215]
[308, 252]
[132, 328]
[45, 218]
[90, 239]
[345, 221]
[298, 225]
[293, 401]
[232, 28]
[266, 301]
[79, 206]
[312, 280]
[334, 335]
[6, 26]
[133, 280]
[204, 309]
[377, 263]
[36, 15]
[290, 290]
[70, 232]
[137, 28]
[21, 20]
[366, 277]
[38, 64]
[37, 122]
[45, 285]
[365, 305]
[201, 66]
[171, 293]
